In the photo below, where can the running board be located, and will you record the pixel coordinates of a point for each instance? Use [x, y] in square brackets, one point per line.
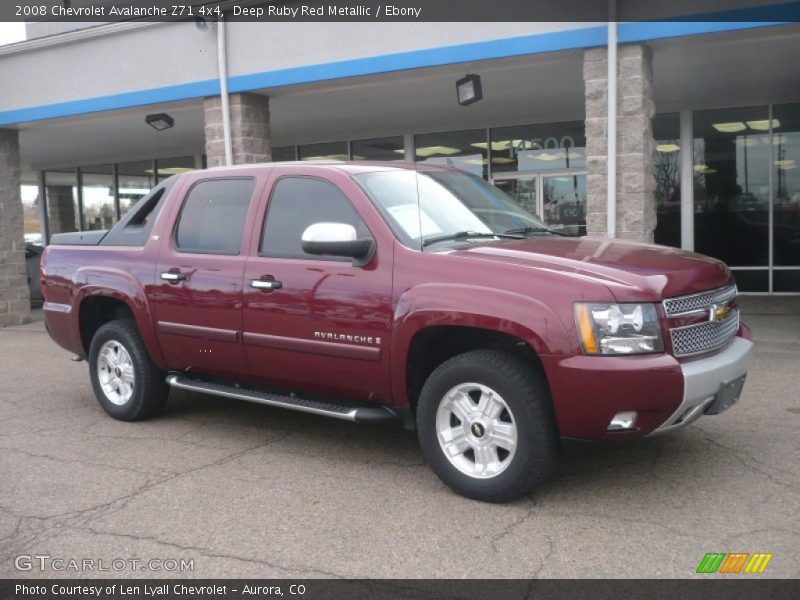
[336, 409]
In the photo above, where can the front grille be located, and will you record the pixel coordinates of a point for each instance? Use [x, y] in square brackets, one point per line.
[698, 302]
[710, 334]
[705, 337]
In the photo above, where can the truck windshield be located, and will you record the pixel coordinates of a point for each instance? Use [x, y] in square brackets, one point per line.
[425, 207]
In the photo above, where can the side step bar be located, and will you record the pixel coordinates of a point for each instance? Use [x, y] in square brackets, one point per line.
[328, 408]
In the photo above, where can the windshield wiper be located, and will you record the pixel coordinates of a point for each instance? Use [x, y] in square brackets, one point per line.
[529, 229]
[463, 235]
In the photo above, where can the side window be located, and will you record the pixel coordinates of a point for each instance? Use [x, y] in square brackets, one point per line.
[298, 202]
[213, 216]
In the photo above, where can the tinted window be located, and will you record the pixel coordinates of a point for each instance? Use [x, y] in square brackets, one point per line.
[213, 216]
[298, 202]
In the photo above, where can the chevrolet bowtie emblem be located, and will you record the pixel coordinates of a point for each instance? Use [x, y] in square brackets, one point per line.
[717, 312]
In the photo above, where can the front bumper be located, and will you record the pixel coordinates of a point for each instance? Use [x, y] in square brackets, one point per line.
[702, 381]
[588, 391]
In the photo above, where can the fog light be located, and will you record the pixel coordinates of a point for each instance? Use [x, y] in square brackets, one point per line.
[623, 421]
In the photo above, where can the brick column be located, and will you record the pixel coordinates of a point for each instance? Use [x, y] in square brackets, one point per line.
[636, 204]
[250, 129]
[14, 299]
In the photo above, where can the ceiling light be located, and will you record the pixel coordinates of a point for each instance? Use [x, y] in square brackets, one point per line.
[159, 121]
[730, 127]
[432, 150]
[785, 163]
[498, 146]
[468, 90]
[502, 160]
[763, 125]
[668, 147]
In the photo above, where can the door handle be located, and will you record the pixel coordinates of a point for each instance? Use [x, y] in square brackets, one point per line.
[266, 285]
[173, 276]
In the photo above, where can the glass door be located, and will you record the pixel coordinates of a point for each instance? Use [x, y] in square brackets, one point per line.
[564, 202]
[558, 198]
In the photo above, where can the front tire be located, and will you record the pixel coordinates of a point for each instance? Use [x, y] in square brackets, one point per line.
[127, 384]
[486, 425]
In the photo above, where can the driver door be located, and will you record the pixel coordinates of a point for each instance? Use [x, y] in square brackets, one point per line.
[317, 323]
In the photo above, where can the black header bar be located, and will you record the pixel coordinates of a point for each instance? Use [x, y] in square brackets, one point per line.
[402, 10]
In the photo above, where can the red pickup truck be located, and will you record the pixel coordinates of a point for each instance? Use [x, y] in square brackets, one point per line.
[390, 292]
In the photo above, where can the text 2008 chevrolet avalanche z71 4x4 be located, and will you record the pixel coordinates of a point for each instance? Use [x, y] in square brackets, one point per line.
[376, 292]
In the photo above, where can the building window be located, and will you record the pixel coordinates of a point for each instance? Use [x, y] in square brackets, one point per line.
[542, 147]
[386, 149]
[464, 150]
[666, 131]
[786, 197]
[136, 179]
[31, 214]
[284, 153]
[61, 189]
[97, 189]
[732, 155]
[167, 167]
[324, 151]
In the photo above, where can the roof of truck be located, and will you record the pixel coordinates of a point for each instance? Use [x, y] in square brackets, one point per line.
[352, 167]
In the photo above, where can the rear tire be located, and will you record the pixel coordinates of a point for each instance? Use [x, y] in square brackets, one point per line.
[486, 426]
[127, 384]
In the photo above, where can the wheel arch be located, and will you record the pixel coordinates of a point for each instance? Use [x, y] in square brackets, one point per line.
[435, 322]
[105, 294]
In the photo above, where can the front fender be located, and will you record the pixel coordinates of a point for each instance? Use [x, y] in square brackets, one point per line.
[515, 314]
[118, 284]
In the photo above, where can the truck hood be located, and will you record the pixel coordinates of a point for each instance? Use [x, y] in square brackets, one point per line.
[632, 271]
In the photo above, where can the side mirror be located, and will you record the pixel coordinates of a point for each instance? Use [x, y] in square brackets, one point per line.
[337, 239]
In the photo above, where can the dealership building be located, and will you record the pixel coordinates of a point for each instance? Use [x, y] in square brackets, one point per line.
[704, 138]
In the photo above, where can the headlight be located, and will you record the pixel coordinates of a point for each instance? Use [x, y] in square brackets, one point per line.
[615, 328]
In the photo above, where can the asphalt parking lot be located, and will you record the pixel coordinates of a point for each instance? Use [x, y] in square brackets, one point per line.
[251, 491]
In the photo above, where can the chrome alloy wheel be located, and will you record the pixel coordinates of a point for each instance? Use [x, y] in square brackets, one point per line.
[476, 430]
[115, 372]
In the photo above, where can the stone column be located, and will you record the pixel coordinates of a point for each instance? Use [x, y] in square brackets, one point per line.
[636, 204]
[250, 129]
[14, 298]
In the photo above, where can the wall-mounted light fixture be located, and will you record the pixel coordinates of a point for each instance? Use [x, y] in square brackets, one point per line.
[159, 121]
[469, 90]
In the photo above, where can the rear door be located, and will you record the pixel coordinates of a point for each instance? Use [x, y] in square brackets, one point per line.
[323, 323]
[197, 297]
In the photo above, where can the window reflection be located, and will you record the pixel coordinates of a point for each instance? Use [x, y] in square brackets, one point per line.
[167, 167]
[324, 151]
[98, 197]
[283, 153]
[136, 179]
[61, 188]
[386, 149]
[541, 147]
[666, 131]
[731, 184]
[786, 200]
[31, 213]
[464, 150]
